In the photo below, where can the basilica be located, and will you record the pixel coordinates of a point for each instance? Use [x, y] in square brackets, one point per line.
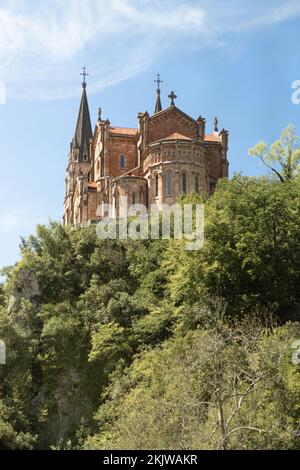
[169, 153]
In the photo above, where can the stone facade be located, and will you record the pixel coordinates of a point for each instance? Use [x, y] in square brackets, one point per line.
[168, 154]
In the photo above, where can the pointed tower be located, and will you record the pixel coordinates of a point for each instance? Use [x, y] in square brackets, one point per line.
[83, 131]
[79, 160]
[158, 106]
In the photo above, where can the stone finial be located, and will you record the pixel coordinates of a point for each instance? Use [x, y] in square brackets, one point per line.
[224, 138]
[216, 122]
[201, 127]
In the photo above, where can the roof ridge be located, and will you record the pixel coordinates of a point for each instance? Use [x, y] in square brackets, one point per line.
[178, 135]
[211, 138]
[126, 131]
[174, 108]
[122, 127]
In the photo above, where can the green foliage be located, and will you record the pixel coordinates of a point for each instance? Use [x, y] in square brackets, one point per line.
[283, 157]
[2, 298]
[142, 344]
[10, 439]
[108, 343]
[222, 388]
[251, 255]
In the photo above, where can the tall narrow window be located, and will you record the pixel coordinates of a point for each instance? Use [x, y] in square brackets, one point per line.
[122, 161]
[197, 184]
[133, 198]
[169, 183]
[141, 194]
[184, 183]
[156, 185]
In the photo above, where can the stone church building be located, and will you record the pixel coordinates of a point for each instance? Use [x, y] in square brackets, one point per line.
[168, 154]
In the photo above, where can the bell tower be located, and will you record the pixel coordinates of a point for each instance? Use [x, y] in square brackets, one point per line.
[79, 158]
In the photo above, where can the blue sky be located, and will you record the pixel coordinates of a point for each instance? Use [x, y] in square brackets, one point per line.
[233, 59]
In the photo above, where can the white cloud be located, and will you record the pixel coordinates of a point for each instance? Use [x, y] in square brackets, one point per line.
[43, 44]
[241, 16]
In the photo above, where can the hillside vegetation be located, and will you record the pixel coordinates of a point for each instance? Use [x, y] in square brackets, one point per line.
[142, 344]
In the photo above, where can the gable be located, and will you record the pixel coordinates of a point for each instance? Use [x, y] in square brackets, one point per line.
[170, 121]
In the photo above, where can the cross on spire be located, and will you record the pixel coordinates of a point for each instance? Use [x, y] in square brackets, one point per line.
[84, 74]
[172, 97]
[158, 106]
[158, 81]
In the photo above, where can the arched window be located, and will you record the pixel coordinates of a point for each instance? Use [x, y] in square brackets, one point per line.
[133, 198]
[156, 185]
[197, 184]
[169, 183]
[184, 183]
[122, 161]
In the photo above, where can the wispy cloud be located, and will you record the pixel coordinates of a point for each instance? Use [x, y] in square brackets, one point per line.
[43, 44]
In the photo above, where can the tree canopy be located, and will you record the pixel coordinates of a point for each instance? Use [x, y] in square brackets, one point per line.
[283, 157]
[143, 344]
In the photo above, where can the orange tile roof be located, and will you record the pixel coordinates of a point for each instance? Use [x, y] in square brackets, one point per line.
[211, 138]
[127, 131]
[92, 185]
[176, 135]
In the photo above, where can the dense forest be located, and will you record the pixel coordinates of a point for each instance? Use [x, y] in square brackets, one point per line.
[142, 344]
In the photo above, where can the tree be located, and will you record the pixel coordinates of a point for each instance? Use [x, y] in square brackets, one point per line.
[10, 439]
[229, 386]
[283, 157]
[251, 254]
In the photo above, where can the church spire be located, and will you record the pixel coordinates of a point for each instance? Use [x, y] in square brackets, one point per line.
[83, 131]
[158, 106]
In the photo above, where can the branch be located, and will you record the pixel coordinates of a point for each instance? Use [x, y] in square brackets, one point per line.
[238, 405]
[250, 428]
[236, 409]
[273, 169]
